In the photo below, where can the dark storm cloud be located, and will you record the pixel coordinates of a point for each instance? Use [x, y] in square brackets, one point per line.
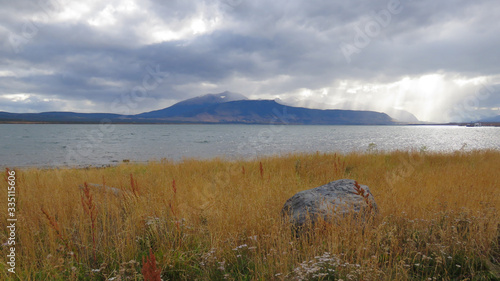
[99, 51]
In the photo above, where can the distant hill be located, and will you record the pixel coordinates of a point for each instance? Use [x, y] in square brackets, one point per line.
[402, 116]
[57, 117]
[217, 108]
[491, 119]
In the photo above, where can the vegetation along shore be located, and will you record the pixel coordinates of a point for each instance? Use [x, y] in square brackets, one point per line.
[220, 219]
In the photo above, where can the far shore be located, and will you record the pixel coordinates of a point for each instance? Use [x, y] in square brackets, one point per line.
[483, 124]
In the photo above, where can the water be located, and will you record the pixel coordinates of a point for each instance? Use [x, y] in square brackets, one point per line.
[39, 145]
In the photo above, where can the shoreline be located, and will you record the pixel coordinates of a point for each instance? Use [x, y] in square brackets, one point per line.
[245, 159]
[114, 122]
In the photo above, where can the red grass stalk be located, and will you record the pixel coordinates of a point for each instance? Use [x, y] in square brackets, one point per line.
[134, 186]
[361, 192]
[90, 209]
[176, 220]
[170, 205]
[339, 167]
[261, 169]
[172, 209]
[149, 270]
[243, 170]
[55, 226]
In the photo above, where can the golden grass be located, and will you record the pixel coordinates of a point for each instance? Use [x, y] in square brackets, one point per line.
[220, 219]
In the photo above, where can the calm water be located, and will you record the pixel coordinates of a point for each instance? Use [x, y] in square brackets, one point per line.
[58, 145]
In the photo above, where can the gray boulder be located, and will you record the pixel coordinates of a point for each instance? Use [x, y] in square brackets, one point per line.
[335, 199]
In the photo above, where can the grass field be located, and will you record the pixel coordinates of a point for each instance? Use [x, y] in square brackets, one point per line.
[217, 219]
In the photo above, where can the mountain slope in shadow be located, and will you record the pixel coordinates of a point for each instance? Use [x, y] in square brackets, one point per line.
[221, 108]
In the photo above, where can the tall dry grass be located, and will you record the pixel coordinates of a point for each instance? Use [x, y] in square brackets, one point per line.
[218, 219]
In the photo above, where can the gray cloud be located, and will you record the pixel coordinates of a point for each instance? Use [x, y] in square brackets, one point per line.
[83, 56]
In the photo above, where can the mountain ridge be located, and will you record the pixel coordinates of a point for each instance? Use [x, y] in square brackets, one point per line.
[491, 119]
[191, 104]
[219, 108]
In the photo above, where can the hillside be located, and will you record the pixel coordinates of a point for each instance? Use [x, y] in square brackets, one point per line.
[190, 105]
[268, 111]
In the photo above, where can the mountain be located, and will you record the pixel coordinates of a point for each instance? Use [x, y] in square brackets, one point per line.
[269, 111]
[491, 119]
[189, 105]
[217, 108]
[402, 116]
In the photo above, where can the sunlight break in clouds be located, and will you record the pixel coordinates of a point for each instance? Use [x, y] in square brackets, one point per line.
[418, 95]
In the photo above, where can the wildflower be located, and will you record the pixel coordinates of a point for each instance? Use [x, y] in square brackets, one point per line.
[152, 220]
[458, 265]
[222, 266]
[240, 247]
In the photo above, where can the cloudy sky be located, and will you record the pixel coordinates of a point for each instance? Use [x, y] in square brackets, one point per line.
[439, 60]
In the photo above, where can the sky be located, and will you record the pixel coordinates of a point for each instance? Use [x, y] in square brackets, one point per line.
[439, 60]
